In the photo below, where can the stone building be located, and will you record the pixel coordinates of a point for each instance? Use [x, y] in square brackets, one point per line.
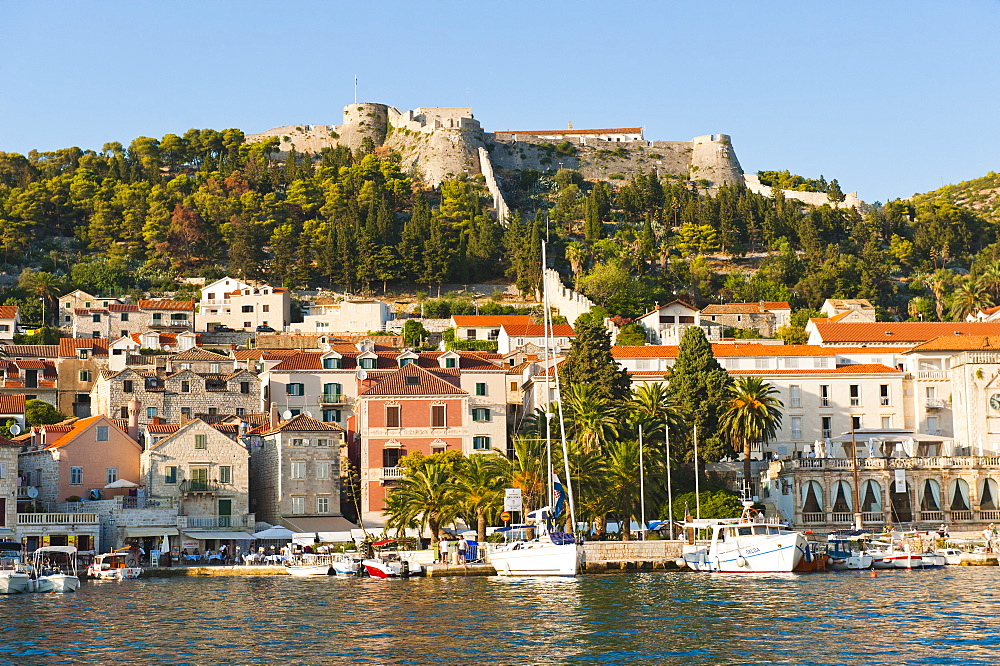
[8, 488]
[764, 317]
[80, 362]
[10, 319]
[295, 470]
[178, 394]
[351, 315]
[484, 327]
[243, 306]
[849, 310]
[205, 472]
[665, 325]
[33, 378]
[82, 315]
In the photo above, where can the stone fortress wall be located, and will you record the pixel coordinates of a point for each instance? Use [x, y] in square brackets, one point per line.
[851, 199]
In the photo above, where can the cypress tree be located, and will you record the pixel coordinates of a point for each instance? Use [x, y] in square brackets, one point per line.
[589, 361]
[698, 384]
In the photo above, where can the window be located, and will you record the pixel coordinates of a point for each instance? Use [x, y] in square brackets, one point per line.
[322, 505]
[513, 387]
[930, 392]
[367, 363]
[481, 443]
[185, 366]
[855, 395]
[791, 362]
[856, 422]
[212, 411]
[186, 412]
[67, 319]
[185, 386]
[170, 474]
[123, 413]
[298, 441]
[796, 427]
[760, 363]
[95, 334]
[246, 308]
[265, 308]
[883, 393]
[298, 505]
[480, 388]
[438, 416]
[225, 474]
[96, 318]
[332, 392]
[481, 414]
[322, 442]
[200, 442]
[331, 364]
[403, 362]
[124, 316]
[827, 422]
[150, 412]
[450, 362]
[820, 362]
[470, 334]
[295, 389]
[86, 304]
[795, 396]
[413, 380]
[112, 474]
[84, 353]
[102, 434]
[323, 470]
[85, 375]
[392, 416]
[240, 411]
[298, 469]
[247, 324]
[932, 425]
[245, 387]
[157, 316]
[331, 415]
[886, 422]
[75, 476]
[824, 395]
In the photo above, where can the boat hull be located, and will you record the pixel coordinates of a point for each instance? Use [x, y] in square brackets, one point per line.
[778, 554]
[59, 583]
[303, 570]
[16, 583]
[527, 559]
[394, 569]
[126, 573]
[852, 562]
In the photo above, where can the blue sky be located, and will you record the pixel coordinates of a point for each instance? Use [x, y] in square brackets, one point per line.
[891, 98]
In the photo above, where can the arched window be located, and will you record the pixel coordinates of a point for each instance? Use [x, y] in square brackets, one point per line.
[959, 495]
[988, 495]
[842, 497]
[812, 497]
[871, 497]
[930, 496]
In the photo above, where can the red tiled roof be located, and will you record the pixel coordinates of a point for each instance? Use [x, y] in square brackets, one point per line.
[166, 305]
[744, 308]
[75, 431]
[162, 428]
[960, 343]
[490, 320]
[396, 383]
[37, 351]
[122, 307]
[30, 365]
[859, 368]
[12, 403]
[610, 130]
[537, 329]
[742, 350]
[8, 311]
[901, 332]
[303, 423]
[69, 346]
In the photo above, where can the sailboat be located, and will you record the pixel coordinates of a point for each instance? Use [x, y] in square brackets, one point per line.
[543, 551]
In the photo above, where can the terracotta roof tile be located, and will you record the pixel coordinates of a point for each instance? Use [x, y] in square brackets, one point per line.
[743, 350]
[69, 346]
[8, 311]
[199, 354]
[162, 428]
[490, 320]
[12, 403]
[960, 343]
[166, 305]
[859, 368]
[123, 307]
[901, 332]
[37, 351]
[424, 383]
[303, 423]
[744, 308]
[537, 329]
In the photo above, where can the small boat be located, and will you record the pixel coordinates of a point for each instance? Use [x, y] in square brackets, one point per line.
[548, 554]
[814, 559]
[391, 566]
[950, 555]
[14, 573]
[114, 566]
[843, 556]
[55, 573]
[309, 564]
[347, 565]
[746, 544]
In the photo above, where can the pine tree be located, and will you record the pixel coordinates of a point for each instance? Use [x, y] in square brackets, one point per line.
[699, 385]
[589, 361]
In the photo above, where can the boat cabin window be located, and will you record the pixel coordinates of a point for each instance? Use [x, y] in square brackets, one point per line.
[744, 531]
[760, 529]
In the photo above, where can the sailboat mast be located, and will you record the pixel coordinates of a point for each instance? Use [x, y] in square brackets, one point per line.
[565, 454]
[697, 492]
[548, 390]
[642, 489]
[670, 490]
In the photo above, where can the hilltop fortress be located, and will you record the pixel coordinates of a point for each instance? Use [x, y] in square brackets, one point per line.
[440, 143]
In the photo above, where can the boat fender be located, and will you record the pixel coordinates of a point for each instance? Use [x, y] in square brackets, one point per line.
[680, 562]
[741, 561]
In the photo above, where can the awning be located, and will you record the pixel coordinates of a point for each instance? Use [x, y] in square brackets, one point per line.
[134, 532]
[225, 536]
[6, 533]
[319, 524]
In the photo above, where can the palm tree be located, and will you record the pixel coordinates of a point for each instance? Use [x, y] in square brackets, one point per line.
[526, 470]
[588, 472]
[990, 278]
[754, 415]
[425, 498]
[969, 298]
[479, 490]
[623, 481]
[576, 255]
[594, 418]
[42, 285]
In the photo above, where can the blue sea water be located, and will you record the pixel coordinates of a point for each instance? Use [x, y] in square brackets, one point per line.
[946, 616]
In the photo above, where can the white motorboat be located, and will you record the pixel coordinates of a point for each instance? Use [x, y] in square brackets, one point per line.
[56, 569]
[14, 572]
[950, 555]
[392, 566]
[844, 556]
[347, 565]
[114, 566]
[549, 554]
[746, 544]
[309, 565]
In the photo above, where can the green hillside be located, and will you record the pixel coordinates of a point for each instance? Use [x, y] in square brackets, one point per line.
[980, 194]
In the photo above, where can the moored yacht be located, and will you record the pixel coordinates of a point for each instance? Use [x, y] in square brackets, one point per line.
[56, 569]
[547, 554]
[14, 577]
[746, 544]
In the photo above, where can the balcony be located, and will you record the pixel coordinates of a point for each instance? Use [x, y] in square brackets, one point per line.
[392, 473]
[332, 399]
[125, 502]
[170, 323]
[819, 517]
[193, 487]
[57, 519]
[239, 521]
[933, 374]
[934, 403]
[22, 492]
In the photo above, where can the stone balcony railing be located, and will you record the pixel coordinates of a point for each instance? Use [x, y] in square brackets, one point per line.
[238, 521]
[57, 519]
[931, 518]
[392, 473]
[934, 462]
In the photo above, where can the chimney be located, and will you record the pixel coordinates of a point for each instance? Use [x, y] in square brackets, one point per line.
[133, 418]
[569, 125]
[274, 415]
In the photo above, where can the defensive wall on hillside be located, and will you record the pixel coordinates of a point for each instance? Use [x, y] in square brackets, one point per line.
[851, 199]
[569, 303]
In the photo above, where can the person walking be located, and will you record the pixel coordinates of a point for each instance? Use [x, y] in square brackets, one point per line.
[443, 548]
[463, 546]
